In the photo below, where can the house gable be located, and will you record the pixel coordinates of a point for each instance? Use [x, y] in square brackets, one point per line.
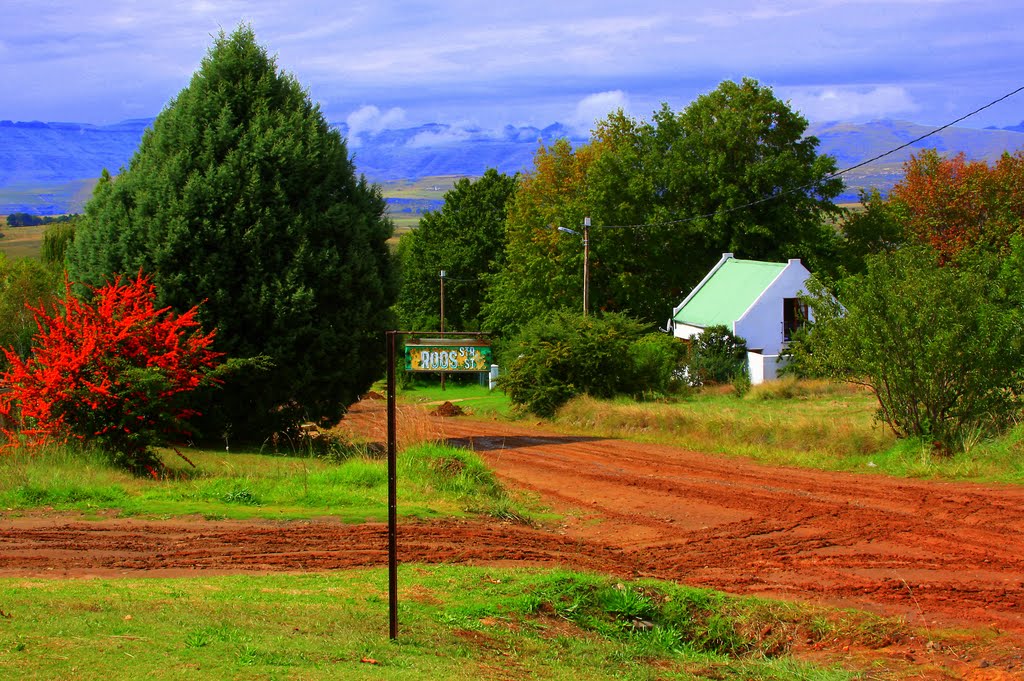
[763, 324]
[727, 292]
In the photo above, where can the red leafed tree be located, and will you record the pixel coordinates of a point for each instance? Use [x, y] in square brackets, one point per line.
[112, 371]
[952, 203]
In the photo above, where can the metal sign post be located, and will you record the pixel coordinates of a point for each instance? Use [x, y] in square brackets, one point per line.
[450, 354]
[392, 493]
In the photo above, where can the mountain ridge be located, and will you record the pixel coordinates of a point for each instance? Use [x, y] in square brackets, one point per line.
[48, 167]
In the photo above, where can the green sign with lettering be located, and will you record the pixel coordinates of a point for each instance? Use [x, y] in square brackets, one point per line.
[442, 354]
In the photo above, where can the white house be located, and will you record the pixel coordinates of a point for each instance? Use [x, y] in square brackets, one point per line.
[757, 300]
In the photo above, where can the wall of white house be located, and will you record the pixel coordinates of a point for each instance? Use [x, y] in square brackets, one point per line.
[763, 367]
[761, 324]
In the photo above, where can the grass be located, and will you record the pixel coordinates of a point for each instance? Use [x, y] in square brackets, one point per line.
[474, 399]
[433, 481]
[454, 623]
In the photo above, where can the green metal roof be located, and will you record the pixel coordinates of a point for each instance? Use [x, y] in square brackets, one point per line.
[729, 292]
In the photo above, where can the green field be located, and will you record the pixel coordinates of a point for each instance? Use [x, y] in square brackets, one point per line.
[423, 188]
[25, 242]
[432, 188]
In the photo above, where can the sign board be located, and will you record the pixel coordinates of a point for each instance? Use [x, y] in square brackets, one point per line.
[448, 354]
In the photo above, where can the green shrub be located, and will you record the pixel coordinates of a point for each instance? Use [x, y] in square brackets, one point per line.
[716, 356]
[563, 354]
[938, 344]
[656, 362]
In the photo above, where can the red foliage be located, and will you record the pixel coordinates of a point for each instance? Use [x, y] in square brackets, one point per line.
[952, 204]
[111, 370]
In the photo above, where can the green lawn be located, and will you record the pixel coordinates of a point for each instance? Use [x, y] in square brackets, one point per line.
[454, 623]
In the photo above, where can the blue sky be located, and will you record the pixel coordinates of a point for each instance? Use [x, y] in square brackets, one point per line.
[379, 64]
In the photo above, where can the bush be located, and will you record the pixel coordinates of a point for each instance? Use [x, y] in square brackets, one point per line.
[656, 361]
[23, 282]
[716, 356]
[939, 346]
[563, 354]
[112, 372]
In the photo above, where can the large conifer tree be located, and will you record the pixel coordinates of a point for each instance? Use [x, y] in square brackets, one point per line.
[241, 196]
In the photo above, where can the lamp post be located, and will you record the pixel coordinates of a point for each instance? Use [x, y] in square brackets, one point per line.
[586, 261]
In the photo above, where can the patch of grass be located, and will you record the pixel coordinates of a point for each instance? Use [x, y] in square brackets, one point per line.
[434, 480]
[791, 430]
[455, 622]
[815, 424]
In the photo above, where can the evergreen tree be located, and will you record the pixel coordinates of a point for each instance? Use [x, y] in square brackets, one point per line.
[241, 196]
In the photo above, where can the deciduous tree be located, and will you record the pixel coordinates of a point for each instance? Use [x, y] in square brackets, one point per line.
[543, 269]
[466, 239]
[734, 171]
[940, 347]
[952, 204]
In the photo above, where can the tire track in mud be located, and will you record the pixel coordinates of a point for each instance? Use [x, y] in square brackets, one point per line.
[928, 550]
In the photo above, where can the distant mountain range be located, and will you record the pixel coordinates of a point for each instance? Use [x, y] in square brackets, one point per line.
[50, 168]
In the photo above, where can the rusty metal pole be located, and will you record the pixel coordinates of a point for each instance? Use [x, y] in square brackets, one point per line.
[392, 491]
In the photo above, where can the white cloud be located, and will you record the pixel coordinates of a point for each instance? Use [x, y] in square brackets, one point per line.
[371, 119]
[440, 138]
[849, 104]
[594, 107]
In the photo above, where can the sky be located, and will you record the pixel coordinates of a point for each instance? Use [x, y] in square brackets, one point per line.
[380, 64]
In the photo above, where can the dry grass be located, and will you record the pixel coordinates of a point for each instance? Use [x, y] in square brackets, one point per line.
[779, 421]
[22, 242]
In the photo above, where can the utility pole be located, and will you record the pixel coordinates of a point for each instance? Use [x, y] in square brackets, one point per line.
[586, 265]
[586, 260]
[442, 319]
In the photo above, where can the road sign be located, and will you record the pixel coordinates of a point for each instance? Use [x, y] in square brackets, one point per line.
[448, 354]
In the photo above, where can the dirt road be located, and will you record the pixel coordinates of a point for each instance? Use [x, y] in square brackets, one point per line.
[936, 553]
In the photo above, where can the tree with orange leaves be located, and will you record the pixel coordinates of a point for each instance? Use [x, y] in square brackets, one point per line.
[543, 267]
[953, 204]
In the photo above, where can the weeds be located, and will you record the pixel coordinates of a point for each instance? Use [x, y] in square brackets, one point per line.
[433, 479]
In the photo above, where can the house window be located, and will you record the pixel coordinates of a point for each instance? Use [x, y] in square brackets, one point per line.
[794, 316]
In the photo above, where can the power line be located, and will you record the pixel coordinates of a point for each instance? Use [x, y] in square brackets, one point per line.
[826, 178]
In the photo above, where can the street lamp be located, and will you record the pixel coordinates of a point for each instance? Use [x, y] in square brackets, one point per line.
[586, 260]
